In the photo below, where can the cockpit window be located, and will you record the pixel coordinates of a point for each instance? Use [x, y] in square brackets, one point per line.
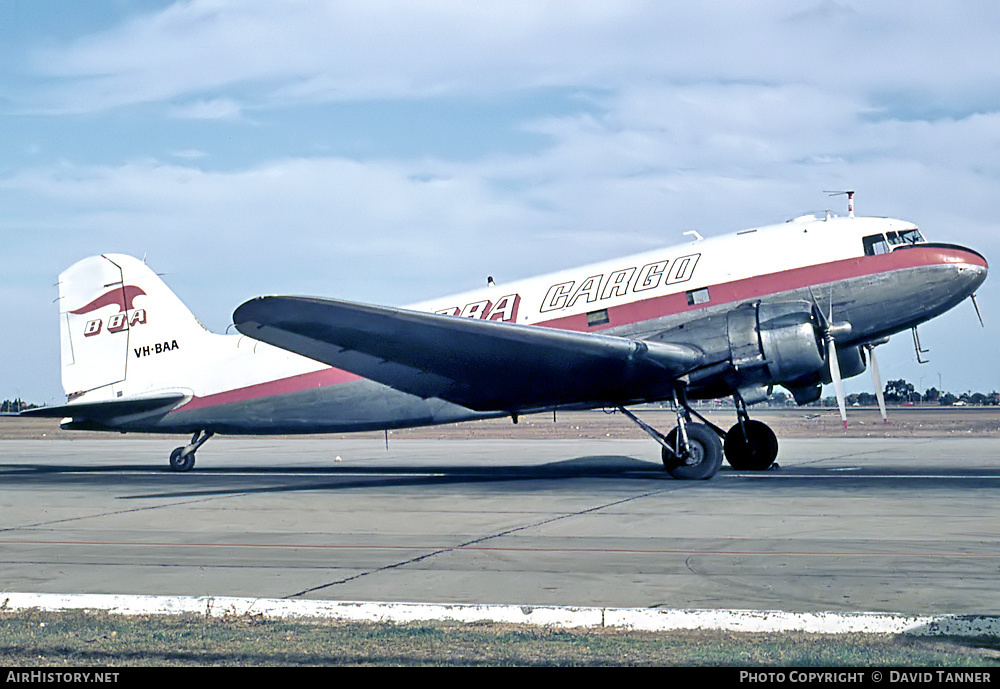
[883, 244]
[875, 244]
[905, 237]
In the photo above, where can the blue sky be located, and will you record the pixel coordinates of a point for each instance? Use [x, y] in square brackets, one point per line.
[394, 151]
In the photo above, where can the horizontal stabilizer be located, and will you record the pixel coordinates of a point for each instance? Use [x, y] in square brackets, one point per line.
[100, 411]
[483, 365]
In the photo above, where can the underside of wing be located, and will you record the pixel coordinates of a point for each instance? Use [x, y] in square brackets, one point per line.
[482, 365]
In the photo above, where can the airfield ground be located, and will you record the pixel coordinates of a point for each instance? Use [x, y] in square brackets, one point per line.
[836, 529]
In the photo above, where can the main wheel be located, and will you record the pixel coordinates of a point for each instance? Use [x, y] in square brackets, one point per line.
[751, 447]
[704, 454]
[180, 461]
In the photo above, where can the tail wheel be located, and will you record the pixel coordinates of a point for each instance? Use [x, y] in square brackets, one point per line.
[180, 461]
[751, 446]
[702, 459]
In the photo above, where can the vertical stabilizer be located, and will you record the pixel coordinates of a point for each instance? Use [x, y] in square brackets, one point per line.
[123, 331]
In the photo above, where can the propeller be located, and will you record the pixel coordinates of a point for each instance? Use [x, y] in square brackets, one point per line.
[877, 380]
[830, 331]
[838, 384]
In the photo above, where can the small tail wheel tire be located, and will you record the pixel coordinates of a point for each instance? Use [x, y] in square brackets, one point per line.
[180, 461]
[754, 451]
[704, 454]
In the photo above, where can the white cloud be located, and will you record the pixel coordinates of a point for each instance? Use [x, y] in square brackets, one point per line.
[333, 51]
[189, 154]
[214, 109]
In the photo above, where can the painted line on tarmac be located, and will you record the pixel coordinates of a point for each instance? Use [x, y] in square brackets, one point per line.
[503, 549]
[641, 619]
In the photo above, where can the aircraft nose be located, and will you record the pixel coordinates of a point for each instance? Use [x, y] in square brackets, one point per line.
[970, 265]
[974, 268]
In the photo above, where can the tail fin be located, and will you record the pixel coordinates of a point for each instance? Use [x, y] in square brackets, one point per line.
[123, 332]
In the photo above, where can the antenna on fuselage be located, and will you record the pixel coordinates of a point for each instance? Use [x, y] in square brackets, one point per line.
[850, 200]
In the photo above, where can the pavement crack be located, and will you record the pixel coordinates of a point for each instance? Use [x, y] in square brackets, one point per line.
[477, 541]
[98, 515]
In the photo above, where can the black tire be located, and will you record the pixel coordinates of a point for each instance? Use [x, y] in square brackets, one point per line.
[181, 462]
[756, 451]
[705, 448]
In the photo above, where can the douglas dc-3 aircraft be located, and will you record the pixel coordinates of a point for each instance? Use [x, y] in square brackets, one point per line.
[795, 304]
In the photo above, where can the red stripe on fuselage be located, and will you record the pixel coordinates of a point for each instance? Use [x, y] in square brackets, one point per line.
[759, 286]
[723, 293]
[305, 381]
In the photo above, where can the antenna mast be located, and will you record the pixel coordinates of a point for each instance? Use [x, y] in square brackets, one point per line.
[850, 200]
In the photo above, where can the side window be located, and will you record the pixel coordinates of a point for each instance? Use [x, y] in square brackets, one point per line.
[595, 318]
[697, 296]
[875, 244]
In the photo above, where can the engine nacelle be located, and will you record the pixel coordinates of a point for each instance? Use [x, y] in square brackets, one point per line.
[775, 343]
[852, 363]
[753, 347]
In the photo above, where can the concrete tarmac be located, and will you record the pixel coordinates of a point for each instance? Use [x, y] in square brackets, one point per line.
[897, 525]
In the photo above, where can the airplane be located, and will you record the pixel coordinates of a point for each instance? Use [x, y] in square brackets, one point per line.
[795, 304]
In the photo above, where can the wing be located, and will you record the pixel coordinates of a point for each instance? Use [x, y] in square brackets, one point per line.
[482, 365]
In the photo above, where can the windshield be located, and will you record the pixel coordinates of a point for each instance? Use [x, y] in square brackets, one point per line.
[904, 237]
[883, 244]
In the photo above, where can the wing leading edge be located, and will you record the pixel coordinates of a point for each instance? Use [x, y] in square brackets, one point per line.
[482, 365]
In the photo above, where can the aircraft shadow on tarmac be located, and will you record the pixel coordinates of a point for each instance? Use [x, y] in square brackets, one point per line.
[607, 471]
[234, 480]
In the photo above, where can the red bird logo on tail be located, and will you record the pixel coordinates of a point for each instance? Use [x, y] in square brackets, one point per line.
[122, 296]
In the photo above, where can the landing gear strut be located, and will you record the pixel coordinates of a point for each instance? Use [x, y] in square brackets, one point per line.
[692, 451]
[750, 445]
[182, 458]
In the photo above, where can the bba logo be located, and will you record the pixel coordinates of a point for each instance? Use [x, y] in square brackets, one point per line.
[126, 316]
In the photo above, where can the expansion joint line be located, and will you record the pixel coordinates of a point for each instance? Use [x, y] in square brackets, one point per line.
[474, 542]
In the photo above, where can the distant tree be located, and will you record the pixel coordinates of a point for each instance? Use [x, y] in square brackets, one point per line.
[947, 399]
[867, 399]
[898, 391]
[932, 395]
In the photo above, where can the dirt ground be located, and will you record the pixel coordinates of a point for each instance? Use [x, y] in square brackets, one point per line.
[807, 422]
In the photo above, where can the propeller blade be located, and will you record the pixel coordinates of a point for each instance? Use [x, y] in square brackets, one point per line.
[877, 381]
[838, 384]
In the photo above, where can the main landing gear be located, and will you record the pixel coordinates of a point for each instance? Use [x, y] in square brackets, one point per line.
[694, 451]
[750, 445]
[182, 458]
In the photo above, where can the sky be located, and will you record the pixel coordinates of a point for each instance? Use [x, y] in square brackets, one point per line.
[395, 151]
